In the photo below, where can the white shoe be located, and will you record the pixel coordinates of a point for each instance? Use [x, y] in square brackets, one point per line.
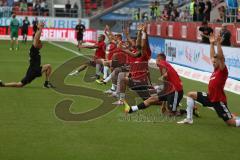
[110, 91]
[75, 73]
[186, 121]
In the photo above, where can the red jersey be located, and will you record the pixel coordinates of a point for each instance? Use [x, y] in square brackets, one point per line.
[139, 67]
[172, 75]
[216, 85]
[120, 56]
[139, 71]
[111, 48]
[130, 58]
[147, 51]
[100, 52]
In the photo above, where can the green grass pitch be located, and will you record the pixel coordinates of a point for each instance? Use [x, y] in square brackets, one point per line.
[29, 129]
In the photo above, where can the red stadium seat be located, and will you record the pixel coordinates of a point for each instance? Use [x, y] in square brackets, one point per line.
[87, 1]
[87, 11]
[30, 8]
[88, 6]
[16, 8]
[94, 6]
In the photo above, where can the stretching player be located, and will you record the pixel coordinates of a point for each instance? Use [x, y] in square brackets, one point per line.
[35, 69]
[114, 40]
[100, 47]
[138, 75]
[215, 97]
[175, 90]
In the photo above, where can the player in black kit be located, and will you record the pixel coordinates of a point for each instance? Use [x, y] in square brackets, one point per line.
[35, 69]
[25, 26]
[80, 29]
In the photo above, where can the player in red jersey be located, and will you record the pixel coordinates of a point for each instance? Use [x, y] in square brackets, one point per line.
[99, 56]
[138, 74]
[173, 94]
[215, 97]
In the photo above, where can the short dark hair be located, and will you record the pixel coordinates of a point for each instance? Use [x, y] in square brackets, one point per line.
[161, 55]
[118, 35]
[103, 36]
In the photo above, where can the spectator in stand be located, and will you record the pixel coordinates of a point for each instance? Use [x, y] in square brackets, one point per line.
[201, 10]
[75, 10]
[174, 14]
[68, 7]
[165, 13]
[43, 7]
[23, 6]
[153, 11]
[137, 14]
[145, 16]
[158, 11]
[195, 10]
[183, 15]
[191, 9]
[207, 11]
[8, 3]
[37, 7]
[205, 32]
[171, 5]
[226, 35]
[221, 12]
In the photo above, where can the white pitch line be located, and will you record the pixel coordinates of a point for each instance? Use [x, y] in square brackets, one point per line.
[70, 50]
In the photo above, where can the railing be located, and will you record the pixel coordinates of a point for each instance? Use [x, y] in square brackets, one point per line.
[5, 12]
[62, 12]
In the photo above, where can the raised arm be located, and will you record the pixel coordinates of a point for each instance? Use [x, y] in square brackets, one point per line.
[144, 36]
[38, 34]
[126, 32]
[212, 50]
[137, 54]
[109, 34]
[220, 54]
[88, 46]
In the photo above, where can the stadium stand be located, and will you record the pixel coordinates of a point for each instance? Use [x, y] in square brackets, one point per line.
[93, 7]
[30, 8]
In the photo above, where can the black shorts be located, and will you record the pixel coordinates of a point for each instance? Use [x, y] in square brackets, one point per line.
[32, 73]
[79, 37]
[24, 32]
[172, 98]
[141, 87]
[220, 107]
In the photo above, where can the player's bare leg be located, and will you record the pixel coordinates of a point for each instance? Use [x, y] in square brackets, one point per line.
[79, 44]
[47, 69]
[11, 84]
[12, 44]
[17, 46]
